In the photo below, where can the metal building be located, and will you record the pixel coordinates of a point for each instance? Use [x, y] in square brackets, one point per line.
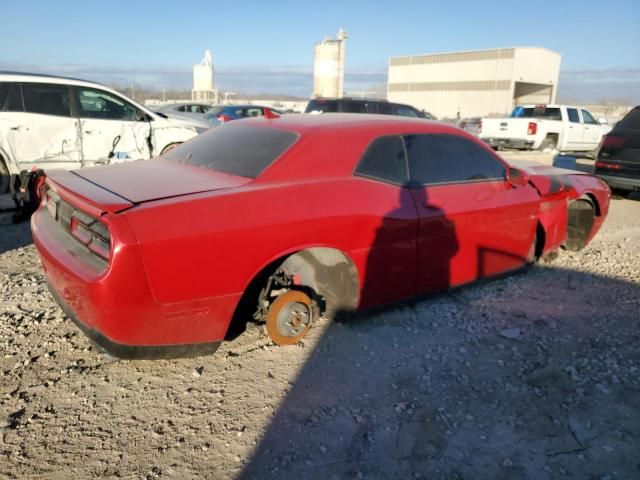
[203, 85]
[328, 67]
[475, 83]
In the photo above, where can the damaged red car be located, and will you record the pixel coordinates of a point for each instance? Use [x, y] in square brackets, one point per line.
[281, 220]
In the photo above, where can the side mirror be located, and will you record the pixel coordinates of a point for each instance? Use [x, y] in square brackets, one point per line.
[516, 177]
[603, 121]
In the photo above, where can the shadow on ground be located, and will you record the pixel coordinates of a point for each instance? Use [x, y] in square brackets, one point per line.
[533, 376]
[13, 236]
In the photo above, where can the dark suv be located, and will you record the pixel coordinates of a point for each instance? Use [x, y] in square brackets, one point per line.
[618, 159]
[361, 105]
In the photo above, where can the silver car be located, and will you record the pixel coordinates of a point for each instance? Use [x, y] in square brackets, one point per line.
[199, 111]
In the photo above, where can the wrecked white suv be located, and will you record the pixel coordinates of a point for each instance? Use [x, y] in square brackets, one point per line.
[53, 122]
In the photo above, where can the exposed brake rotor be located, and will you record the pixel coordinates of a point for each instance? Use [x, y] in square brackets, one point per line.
[290, 317]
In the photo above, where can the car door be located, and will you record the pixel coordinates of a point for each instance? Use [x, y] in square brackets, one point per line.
[592, 131]
[574, 131]
[112, 129]
[41, 132]
[387, 224]
[472, 222]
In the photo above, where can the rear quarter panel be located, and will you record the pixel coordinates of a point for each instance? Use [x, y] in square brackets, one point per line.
[212, 245]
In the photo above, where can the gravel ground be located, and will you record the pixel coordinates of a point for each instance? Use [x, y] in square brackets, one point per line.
[533, 376]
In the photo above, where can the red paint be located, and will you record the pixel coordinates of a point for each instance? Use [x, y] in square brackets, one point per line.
[180, 264]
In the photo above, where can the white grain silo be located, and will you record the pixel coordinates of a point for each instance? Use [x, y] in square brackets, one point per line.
[328, 67]
[203, 86]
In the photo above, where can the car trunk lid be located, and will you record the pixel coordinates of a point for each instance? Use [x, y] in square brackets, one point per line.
[155, 179]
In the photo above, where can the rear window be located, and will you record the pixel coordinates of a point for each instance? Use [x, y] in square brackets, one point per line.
[385, 160]
[552, 113]
[235, 149]
[322, 106]
[631, 121]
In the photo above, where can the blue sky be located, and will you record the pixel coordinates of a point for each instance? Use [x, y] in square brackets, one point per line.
[267, 46]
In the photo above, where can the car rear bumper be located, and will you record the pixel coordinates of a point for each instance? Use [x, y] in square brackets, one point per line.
[113, 304]
[518, 143]
[621, 183]
[133, 352]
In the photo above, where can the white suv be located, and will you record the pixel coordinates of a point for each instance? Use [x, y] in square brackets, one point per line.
[53, 122]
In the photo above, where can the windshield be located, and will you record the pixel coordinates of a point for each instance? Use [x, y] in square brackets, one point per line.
[240, 150]
[552, 113]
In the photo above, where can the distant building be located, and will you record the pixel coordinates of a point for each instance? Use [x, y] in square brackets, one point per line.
[203, 84]
[475, 83]
[328, 67]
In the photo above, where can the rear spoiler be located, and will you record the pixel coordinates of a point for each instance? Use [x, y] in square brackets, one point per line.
[85, 194]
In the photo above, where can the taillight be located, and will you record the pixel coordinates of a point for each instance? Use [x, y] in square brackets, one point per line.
[613, 141]
[532, 129]
[91, 232]
[223, 117]
[51, 201]
[611, 166]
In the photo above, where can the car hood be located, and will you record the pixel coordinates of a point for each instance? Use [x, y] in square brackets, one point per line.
[546, 179]
[145, 180]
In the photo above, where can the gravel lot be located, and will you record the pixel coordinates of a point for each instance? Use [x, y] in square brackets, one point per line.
[533, 376]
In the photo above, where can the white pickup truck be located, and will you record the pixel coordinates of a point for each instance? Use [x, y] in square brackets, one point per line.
[545, 127]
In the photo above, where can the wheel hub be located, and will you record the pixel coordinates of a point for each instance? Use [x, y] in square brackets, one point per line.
[289, 317]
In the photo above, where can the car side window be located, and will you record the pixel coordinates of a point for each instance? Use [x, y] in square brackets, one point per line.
[254, 112]
[93, 103]
[46, 99]
[356, 107]
[11, 97]
[385, 109]
[181, 108]
[588, 118]
[406, 111]
[384, 160]
[573, 115]
[437, 159]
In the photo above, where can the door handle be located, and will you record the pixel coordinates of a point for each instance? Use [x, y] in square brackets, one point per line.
[17, 128]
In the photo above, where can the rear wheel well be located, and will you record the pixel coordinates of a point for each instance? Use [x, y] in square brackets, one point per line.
[549, 140]
[328, 275]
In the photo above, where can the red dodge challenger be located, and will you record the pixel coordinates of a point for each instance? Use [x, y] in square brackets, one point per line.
[290, 218]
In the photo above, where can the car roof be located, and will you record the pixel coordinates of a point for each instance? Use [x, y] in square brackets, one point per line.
[305, 123]
[8, 76]
[350, 99]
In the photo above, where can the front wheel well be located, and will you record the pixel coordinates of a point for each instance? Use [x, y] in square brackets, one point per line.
[327, 274]
[581, 215]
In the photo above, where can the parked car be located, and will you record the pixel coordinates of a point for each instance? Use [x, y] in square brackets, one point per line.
[546, 128]
[618, 157]
[228, 113]
[55, 122]
[292, 217]
[359, 105]
[197, 111]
